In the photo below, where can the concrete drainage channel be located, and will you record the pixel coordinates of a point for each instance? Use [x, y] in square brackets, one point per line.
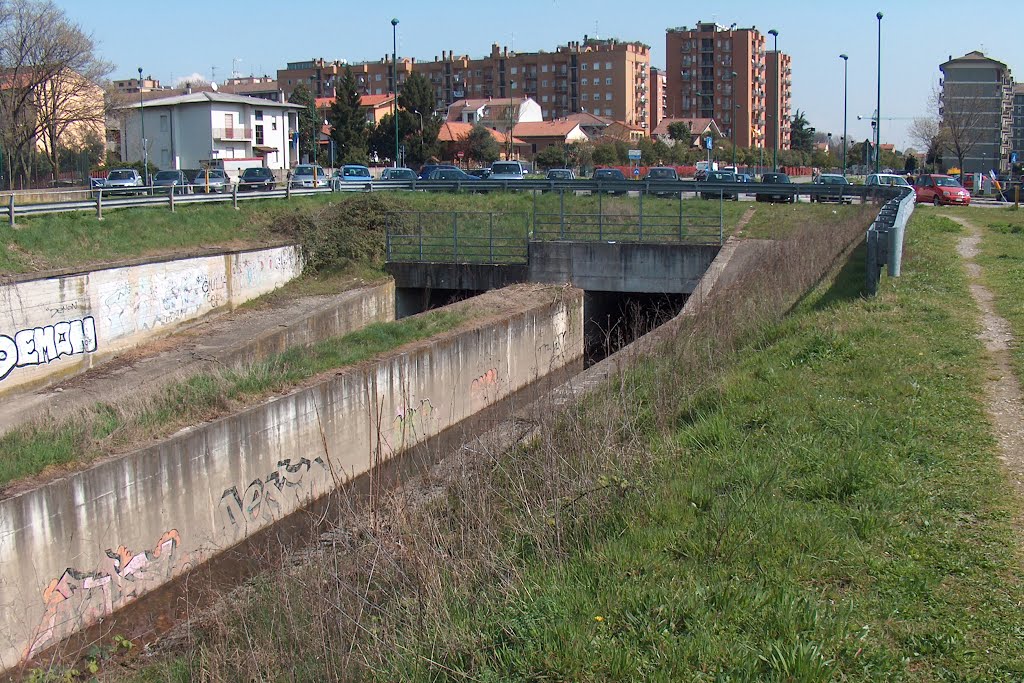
[132, 545]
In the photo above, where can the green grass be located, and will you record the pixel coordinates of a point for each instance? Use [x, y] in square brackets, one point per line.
[832, 510]
[79, 240]
[30, 450]
[776, 221]
[1002, 263]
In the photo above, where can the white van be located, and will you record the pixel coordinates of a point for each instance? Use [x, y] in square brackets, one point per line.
[703, 167]
[506, 170]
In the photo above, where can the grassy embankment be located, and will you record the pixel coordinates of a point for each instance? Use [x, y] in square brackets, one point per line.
[821, 503]
[107, 428]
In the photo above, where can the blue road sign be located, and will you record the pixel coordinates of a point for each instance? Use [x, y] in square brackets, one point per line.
[709, 142]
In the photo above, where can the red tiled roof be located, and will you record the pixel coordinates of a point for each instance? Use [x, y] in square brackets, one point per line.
[585, 118]
[453, 131]
[545, 129]
[374, 100]
[697, 126]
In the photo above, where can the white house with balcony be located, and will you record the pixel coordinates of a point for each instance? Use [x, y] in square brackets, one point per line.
[187, 131]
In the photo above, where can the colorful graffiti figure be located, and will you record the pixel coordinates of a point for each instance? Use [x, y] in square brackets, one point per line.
[76, 599]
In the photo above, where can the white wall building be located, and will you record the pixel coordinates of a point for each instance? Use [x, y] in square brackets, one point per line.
[185, 131]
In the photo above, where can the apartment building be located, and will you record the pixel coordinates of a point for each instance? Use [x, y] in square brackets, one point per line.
[700, 81]
[977, 103]
[1017, 127]
[605, 77]
[134, 85]
[779, 82]
[263, 87]
[658, 104]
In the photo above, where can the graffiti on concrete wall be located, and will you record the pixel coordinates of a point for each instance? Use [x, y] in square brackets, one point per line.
[262, 499]
[257, 269]
[485, 389]
[413, 421]
[42, 345]
[77, 598]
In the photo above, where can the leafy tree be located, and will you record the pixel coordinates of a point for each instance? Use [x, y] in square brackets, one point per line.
[605, 154]
[910, 164]
[309, 119]
[348, 123]
[680, 131]
[481, 145]
[581, 155]
[552, 157]
[417, 98]
[801, 135]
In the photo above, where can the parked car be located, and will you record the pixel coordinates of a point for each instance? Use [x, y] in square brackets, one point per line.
[775, 179]
[507, 170]
[399, 173]
[481, 173]
[885, 179]
[171, 181]
[257, 178]
[427, 169]
[123, 181]
[355, 173]
[610, 175]
[213, 180]
[744, 178]
[836, 184]
[453, 175]
[940, 189]
[721, 177]
[661, 173]
[308, 176]
[560, 174]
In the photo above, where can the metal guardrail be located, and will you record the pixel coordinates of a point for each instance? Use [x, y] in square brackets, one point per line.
[885, 238]
[649, 224]
[458, 237]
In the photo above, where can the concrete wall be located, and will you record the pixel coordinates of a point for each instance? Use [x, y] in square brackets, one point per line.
[82, 546]
[57, 326]
[621, 267]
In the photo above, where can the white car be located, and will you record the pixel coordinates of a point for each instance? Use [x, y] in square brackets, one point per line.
[887, 179]
[506, 170]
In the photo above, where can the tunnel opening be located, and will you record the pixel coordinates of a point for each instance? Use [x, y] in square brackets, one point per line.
[413, 300]
[616, 319]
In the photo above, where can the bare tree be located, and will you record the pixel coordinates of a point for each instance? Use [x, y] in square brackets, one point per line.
[963, 118]
[49, 81]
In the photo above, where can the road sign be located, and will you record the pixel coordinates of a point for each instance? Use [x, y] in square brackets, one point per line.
[636, 172]
[634, 155]
[1013, 157]
[709, 142]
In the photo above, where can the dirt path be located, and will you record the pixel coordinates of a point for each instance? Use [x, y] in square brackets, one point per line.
[1004, 402]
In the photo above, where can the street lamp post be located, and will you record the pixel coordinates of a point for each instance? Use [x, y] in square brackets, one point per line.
[510, 123]
[394, 81]
[142, 118]
[846, 62]
[778, 96]
[878, 103]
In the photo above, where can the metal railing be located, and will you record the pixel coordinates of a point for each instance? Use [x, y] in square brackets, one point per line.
[649, 224]
[885, 238]
[458, 237]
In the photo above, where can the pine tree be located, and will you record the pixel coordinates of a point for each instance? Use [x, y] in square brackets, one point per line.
[348, 124]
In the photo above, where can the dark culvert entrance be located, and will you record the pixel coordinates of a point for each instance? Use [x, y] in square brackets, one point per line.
[617, 319]
[413, 300]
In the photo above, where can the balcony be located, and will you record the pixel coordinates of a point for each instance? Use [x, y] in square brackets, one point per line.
[236, 133]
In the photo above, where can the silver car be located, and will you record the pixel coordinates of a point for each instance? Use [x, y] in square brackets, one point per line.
[309, 176]
[214, 180]
[122, 181]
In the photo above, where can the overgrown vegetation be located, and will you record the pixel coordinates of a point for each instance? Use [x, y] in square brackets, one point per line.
[809, 498]
[110, 428]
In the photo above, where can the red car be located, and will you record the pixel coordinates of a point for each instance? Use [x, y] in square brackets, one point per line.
[941, 189]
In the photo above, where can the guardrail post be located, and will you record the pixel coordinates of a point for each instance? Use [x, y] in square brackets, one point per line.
[600, 213]
[99, 205]
[10, 209]
[288, 190]
[170, 198]
[721, 216]
[234, 196]
[680, 216]
[534, 193]
[490, 236]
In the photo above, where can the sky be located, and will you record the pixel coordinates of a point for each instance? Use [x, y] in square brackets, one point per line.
[253, 37]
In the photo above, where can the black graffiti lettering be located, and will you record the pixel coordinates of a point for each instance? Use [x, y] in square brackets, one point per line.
[8, 355]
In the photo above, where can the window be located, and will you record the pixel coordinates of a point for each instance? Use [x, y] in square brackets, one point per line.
[544, 84]
[585, 97]
[515, 70]
[163, 123]
[259, 133]
[515, 85]
[608, 112]
[544, 68]
[583, 66]
[584, 81]
[273, 124]
[377, 77]
[608, 96]
[597, 66]
[608, 66]
[259, 114]
[544, 98]
[608, 81]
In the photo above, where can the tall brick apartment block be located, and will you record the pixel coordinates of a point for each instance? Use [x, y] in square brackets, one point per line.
[700, 62]
[609, 78]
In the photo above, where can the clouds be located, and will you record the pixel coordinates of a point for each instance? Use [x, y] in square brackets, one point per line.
[192, 78]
